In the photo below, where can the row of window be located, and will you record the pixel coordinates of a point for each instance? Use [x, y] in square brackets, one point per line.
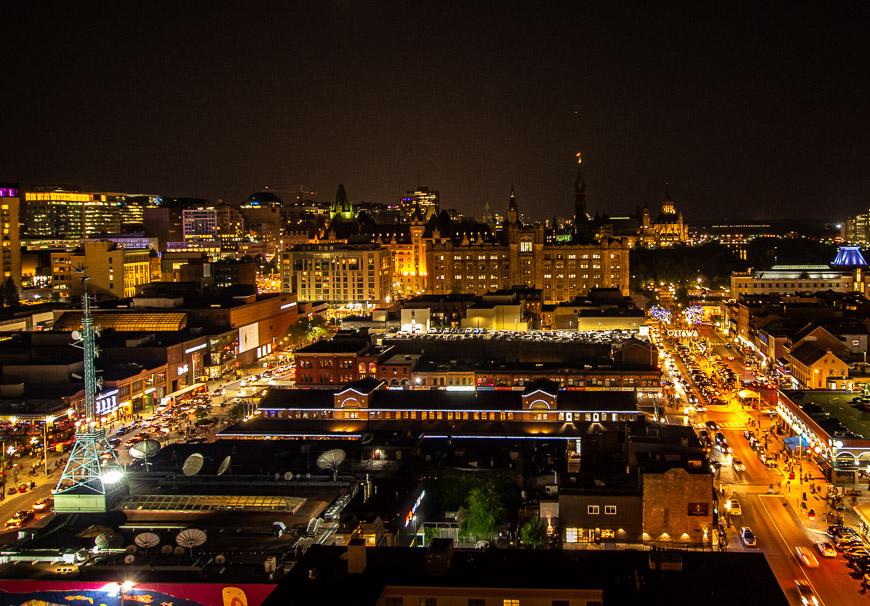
[594, 510]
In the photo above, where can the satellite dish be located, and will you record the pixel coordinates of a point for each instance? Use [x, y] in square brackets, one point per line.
[129, 558]
[179, 551]
[131, 549]
[76, 335]
[331, 459]
[288, 476]
[220, 558]
[190, 538]
[102, 540]
[192, 464]
[225, 464]
[166, 549]
[147, 540]
[145, 449]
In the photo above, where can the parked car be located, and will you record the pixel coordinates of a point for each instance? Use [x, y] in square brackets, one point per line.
[826, 549]
[747, 537]
[738, 465]
[712, 425]
[733, 506]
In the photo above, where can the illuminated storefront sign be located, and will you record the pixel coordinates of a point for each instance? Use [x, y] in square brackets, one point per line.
[182, 370]
[195, 348]
[107, 402]
[288, 305]
[409, 517]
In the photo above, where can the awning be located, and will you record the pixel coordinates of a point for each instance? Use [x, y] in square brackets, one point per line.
[794, 442]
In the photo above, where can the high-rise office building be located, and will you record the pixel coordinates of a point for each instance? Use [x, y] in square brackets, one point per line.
[856, 229]
[10, 251]
[204, 225]
[60, 214]
[113, 271]
[427, 200]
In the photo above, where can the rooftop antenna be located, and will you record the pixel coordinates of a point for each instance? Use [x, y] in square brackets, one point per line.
[82, 486]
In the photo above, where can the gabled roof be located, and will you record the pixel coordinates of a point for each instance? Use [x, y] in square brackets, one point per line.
[363, 386]
[808, 353]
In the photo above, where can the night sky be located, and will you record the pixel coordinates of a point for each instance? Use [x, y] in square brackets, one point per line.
[749, 112]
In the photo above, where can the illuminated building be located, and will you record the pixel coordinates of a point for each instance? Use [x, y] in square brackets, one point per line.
[113, 271]
[856, 229]
[844, 274]
[428, 201]
[206, 225]
[338, 273]
[469, 258]
[10, 251]
[668, 227]
[72, 215]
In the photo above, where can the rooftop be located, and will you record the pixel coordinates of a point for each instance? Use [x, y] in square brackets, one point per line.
[625, 577]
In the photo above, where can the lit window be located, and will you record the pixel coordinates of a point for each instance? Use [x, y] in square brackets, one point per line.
[570, 535]
[610, 510]
[510, 602]
[592, 510]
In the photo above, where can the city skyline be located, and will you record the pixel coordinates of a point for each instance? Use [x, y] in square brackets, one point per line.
[743, 120]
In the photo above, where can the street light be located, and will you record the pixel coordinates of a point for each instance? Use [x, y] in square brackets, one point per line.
[45, 442]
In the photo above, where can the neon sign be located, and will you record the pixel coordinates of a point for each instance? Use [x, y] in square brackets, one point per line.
[410, 515]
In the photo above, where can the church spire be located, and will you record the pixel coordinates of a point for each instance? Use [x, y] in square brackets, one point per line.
[579, 195]
[341, 207]
[513, 212]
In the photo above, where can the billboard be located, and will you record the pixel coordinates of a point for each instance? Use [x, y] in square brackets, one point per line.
[249, 337]
[49, 593]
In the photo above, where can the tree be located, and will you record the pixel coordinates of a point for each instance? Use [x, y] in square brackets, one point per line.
[9, 293]
[482, 513]
[534, 532]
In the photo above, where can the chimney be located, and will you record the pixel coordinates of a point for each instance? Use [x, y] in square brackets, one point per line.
[356, 556]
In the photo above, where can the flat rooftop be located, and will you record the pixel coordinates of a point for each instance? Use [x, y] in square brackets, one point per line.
[838, 405]
[625, 577]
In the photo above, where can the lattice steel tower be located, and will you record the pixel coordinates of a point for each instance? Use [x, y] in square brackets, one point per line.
[82, 486]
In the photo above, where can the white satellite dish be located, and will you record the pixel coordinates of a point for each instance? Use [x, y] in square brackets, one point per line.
[288, 475]
[224, 466]
[331, 460]
[192, 464]
[190, 538]
[145, 449]
[166, 549]
[220, 558]
[76, 335]
[129, 558]
[131, 549]
[146, 540]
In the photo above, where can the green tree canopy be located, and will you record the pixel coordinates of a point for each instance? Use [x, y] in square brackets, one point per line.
[482, 513]
[534, 532]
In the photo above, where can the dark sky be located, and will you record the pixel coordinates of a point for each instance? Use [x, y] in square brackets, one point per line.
[750, 112]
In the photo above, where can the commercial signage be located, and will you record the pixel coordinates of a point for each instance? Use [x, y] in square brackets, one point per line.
[107, 402]
[114, 594]
[195, 348]
[288, 305]
[682, 334]
[409, 517]
[699, 509]
[249, 337]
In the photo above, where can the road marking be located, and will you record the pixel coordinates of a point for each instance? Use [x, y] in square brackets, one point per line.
[788, 548]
